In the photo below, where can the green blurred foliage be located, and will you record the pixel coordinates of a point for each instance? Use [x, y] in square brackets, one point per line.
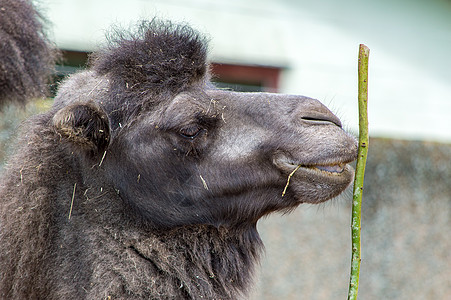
[10, 119]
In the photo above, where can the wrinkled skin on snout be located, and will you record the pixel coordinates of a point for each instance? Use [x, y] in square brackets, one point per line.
[209, 156]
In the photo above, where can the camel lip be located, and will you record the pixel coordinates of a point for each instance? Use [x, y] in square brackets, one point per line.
[329, 169]
[332, 167]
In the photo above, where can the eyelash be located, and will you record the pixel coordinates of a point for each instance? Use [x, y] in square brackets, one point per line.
[191, 132]
[194, 130]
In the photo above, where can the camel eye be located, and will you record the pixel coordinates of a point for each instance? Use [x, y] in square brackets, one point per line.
[190, 132]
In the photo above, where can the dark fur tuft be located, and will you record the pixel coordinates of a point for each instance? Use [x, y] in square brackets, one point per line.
[162, 57]
[26, 55]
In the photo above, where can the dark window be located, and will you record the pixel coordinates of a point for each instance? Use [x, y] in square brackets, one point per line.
[246, 78]
[71, 62]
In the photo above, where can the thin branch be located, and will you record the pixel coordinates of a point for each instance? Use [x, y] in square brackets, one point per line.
[364, 53]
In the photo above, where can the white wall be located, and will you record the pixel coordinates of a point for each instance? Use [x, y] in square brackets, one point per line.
[317, 42]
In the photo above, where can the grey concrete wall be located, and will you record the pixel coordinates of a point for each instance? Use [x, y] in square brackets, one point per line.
[406, 237]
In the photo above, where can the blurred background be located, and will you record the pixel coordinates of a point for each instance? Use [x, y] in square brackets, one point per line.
[310, 48]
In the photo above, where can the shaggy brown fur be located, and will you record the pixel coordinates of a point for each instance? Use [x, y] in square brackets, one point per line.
[145, 182]
[26, 55]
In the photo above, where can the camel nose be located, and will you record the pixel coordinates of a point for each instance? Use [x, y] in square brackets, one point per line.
[313, 112]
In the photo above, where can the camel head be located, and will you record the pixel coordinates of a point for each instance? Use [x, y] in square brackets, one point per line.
[179, 151]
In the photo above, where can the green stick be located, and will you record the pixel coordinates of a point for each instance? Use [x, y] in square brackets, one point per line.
[364, 53]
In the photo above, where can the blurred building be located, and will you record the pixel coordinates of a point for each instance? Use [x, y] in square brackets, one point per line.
[302, 47]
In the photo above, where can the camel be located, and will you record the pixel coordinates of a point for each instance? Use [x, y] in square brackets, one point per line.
[145, 181]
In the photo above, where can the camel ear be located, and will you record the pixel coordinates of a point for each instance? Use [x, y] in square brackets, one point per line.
[84, 125]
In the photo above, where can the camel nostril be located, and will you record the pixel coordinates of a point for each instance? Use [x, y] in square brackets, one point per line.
[321, 119]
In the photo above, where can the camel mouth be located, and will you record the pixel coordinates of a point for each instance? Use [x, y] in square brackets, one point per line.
[330, 169]
[315, 182]
[337, 168]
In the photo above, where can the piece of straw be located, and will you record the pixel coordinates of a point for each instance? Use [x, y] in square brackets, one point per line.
[288, 180]
[364, 53]
[72, 201]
